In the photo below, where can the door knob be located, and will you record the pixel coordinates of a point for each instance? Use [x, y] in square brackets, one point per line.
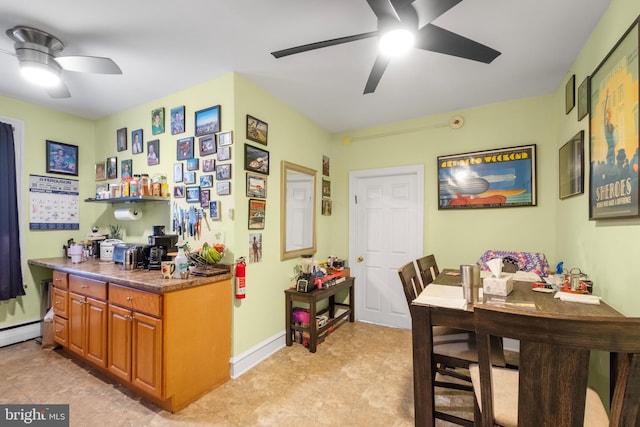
[360, 259]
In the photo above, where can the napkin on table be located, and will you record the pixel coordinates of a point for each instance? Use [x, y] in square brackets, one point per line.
[583, 298]
[442, 296]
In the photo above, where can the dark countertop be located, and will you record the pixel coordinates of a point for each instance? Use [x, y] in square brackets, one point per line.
[147, 280]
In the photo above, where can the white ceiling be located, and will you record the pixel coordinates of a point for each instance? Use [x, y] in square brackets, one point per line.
[164, 47]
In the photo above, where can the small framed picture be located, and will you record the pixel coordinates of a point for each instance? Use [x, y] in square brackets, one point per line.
[257, 130]
[178, 191]
[177, 172]
[326, 165]
[214, 210]
[101, 171]
[184, 148]
[207, 145]
[121, 135]
[256, 185]
[62, 158]
[570, 94]
[137, 146]
[326, 188]
[326, 207]
[208, 121]
[153, 152]
[177, 120]
[193, 194]
[206, 181]
[223, 188]
[112, 168]
[223, 171]
[584, 98]
[189, 178]
[157, 121]
[256, 160]
[208, 165]
[256, 214]
[125, 171]
[193, 164]
[205, 195]
[225, 138]
[224, 153]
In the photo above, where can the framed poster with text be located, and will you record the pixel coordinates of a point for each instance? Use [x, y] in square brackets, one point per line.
[613, 130]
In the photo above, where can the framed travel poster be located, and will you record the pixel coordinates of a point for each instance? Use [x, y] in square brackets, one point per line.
[499, 178]
[613, 130]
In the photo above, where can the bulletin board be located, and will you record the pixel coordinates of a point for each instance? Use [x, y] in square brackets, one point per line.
[54, 203]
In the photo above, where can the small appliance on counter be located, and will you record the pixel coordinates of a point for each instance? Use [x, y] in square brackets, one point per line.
[123, 253]
[106, 249]
[159, 247]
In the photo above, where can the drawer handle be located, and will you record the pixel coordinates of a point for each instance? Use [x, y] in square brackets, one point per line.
[84, 286]
[129, 299]
[58, 302]
[128, 317]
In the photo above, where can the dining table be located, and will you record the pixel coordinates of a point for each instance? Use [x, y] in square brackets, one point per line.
[427, 312]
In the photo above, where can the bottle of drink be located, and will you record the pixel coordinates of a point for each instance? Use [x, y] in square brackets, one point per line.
[181, 262]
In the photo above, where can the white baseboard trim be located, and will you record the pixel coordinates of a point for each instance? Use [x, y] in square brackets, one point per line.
[19, 333]
[256, 354]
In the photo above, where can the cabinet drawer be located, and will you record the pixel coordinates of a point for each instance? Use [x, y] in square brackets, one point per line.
[60, 279]
[88, 287]
[60, 330]
[60, 302]
[136, 300]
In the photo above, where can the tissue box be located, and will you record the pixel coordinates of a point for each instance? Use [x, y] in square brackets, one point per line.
[502, 285]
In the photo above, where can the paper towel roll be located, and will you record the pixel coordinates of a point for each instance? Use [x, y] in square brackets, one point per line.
[127, 214]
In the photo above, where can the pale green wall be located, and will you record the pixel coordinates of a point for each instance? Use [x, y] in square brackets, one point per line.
[41, 124]
[458, 237]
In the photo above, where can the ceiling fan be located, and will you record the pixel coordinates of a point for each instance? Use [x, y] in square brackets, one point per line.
[401, 15]
[37, 53]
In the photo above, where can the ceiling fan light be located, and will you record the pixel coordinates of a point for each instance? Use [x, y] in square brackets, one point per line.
[396, 42]
[40, 74]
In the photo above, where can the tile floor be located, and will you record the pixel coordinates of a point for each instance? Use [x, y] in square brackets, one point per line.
[361, 376]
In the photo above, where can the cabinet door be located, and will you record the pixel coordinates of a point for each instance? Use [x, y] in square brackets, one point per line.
[77, 319]
[96, 323]
[60, 304]
[146, 366]
[60, 330]
[120, 323]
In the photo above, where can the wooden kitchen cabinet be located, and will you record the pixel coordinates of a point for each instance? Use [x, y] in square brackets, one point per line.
[135, 339]
[168, 340]
[87, 322]
[60, 308]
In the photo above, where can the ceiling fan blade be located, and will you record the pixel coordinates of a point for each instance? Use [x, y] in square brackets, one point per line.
[436, 39]
[88, 64]
[318, 45]
[376, 73]
[58, 91]
[384, 9]
[430, 10]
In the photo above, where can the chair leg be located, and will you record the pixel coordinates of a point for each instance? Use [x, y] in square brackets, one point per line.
[477, 415]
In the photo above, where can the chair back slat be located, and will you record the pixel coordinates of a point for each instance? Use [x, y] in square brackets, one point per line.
[428, 269]
[410, 282]
[554, 363]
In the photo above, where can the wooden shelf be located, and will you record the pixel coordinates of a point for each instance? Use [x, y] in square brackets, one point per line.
[135, 199]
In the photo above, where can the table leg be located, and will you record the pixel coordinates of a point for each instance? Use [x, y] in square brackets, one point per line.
[352, 314]
[423, 396]
[288, 309]
[313, 329]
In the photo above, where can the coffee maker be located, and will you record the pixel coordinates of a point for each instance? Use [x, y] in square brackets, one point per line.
[158, 248]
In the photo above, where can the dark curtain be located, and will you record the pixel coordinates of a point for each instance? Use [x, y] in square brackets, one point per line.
[10, 263]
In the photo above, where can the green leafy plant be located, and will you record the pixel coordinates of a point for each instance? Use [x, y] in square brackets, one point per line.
[115, 232]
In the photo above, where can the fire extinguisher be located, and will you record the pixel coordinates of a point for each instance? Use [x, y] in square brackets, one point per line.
[241, 266]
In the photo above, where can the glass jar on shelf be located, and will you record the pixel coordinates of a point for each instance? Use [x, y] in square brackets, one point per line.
[134, 186]
[145, 185]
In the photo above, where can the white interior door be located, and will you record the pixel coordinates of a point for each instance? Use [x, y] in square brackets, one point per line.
[385, 232]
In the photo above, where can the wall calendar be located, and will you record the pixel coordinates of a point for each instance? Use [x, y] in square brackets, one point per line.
[53, 203]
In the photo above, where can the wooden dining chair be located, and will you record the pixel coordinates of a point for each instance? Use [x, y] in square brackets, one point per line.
[452, 348]
[428, 269]
[550, 386]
